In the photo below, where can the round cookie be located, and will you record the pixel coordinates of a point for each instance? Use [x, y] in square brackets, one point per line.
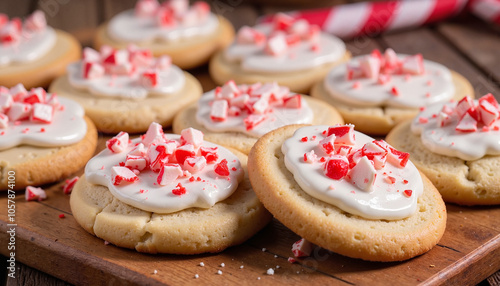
[323, 114]
[331, 228]
[462, 182]
[42, 165]
[185, 53]
[191, 231]
[222, 70]
[42, 71]
[114, 115]
[380, 120]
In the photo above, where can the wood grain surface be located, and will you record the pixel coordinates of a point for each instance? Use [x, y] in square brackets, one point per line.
[48, 246]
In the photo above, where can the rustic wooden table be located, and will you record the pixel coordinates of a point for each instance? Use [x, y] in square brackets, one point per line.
[50, 247]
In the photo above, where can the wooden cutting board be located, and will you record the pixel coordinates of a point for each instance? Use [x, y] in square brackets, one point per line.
[468, 253]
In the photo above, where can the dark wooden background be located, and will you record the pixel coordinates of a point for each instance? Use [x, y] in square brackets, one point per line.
[464, 44]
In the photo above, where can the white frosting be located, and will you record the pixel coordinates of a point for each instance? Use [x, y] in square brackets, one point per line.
[68, 127]
[126, 27]
[449, 142]
[31, 46]
[414, 90]
[280, 116]
[127, 86]
[386, 201]
[298, 57]
[160, 199]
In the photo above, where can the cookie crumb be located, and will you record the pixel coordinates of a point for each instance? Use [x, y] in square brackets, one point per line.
[196, 276]
[202, 264]
[270, 271]
[219, 272]
[432, 266]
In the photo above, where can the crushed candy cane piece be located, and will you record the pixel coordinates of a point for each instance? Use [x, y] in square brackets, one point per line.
[34, 194]
[118, 143]
[169, 173]
[302, 248]
[221, 168]
[363, 174]
[121, 175]
[69, 184]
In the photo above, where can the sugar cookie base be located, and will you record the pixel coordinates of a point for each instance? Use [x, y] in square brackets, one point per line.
[380, 120]
[324, 114]
[462, 182]
[331, 228]
[41, 72]
[35, 166]
[112, 115]
[190, 231]
[186, 53]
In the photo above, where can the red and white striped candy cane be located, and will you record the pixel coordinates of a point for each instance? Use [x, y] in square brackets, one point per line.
[369, 18]
[488, 10]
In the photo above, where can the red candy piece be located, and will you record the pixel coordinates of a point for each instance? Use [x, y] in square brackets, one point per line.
[118, 143]
[302, 248]
[210, 154]
[294, 101]
[168, 174]
[179, 190]
[43, 113]
[184, 152]
[121, 175]
[150, 78]
[34, 194]
[344, 134]
[253, 120]
[221, 168]
[336, 167]
[69, 184]
[218, 111]
[398, 158]
[282, 22]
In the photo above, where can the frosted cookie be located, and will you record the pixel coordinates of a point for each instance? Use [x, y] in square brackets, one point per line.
[43, 139]
[127, 89]
[189, 34]
[167, 193]
[457, 145]
[290, 52]
[346, 192]
[375, 92]
[237, 115]
[33, 53]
